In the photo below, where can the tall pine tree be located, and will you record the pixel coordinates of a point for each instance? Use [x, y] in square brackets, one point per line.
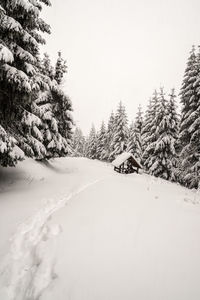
[101, 143]
[33, 108]
[163, 154]
[109, 136]
[78, 143]
[134, 143]
[119, 142]
[21, 79]
[60, 69]
[91, 151]
[190, 123]
[149, 131]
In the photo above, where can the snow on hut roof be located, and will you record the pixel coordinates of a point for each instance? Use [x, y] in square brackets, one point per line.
[120, 159]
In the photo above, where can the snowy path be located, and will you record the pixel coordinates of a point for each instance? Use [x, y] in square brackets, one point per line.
[27, 270]
[121, 243]
[105, 236]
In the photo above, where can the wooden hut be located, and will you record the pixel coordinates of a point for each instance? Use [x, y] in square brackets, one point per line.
[126, 163]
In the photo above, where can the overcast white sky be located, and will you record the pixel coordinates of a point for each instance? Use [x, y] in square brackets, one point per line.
[120, 50]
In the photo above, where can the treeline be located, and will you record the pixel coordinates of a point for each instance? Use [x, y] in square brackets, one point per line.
[35, 113]
[166, 143]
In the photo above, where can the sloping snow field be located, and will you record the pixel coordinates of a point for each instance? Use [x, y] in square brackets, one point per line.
[73, 229]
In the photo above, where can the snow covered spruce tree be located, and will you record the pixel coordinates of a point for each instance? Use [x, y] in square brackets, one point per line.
[146, 124]
[131, 146]
[62, 110]
[20, 79]
[119, 141]
[149, 131]
[173, 130]
[63, 106]
[31, 100]
[163, 148]
[54, 108]
[60, 69]
[101, 143]
[9, 151]
[134, 142]
[47, 107]
[190, 123]
[47, 68]
[91, 151]
[109, 136]
[78, 143]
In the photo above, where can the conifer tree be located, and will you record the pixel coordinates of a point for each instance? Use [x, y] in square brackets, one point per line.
[173, 118]
[63, 105]
[147, 125]
[63, 113]
[20, 77]
[33, 107]
[60, 69]
[109, 136]
[162, 157]
[134, 143]
[47, 68]
[55, 144]
[120, 136]
[92, 144]
[131, 147]
[101, 143]
[86, 147]
[149, 131]
[78, 143]
[139, 126]
[9, 152]
[139, 119]
[190, 123]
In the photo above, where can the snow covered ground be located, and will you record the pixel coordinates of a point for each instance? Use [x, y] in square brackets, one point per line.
[73, 229]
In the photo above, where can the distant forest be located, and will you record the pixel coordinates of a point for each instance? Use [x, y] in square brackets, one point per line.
[166, 143]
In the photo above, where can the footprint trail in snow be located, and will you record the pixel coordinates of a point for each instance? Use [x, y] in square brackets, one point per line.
[28, 269]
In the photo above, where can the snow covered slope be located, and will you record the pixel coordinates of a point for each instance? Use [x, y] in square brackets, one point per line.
[80, 231]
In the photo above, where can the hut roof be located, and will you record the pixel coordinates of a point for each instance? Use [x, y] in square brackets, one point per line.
[123, 157]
